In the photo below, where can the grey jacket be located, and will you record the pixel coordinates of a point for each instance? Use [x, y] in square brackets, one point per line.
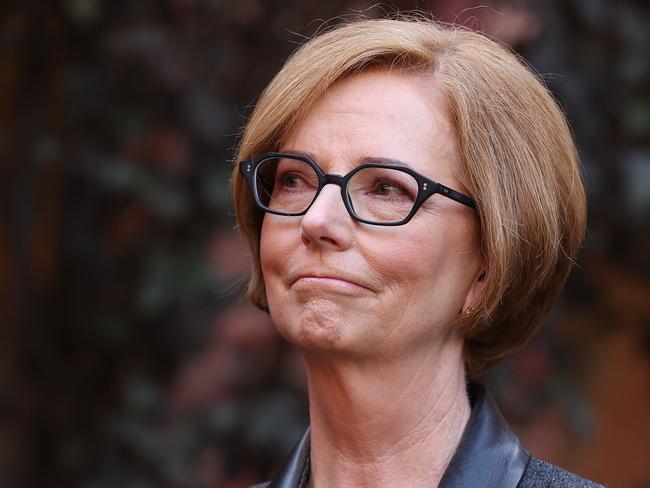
[489, 456]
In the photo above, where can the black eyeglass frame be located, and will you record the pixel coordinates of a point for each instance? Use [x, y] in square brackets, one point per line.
[426, 186]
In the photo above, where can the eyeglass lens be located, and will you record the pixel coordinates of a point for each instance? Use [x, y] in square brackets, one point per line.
[384, 195]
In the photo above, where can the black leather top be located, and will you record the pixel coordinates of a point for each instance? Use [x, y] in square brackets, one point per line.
[489, 454]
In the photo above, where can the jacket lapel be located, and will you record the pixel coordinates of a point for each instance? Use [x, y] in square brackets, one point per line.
[489, 454]
[295, 472]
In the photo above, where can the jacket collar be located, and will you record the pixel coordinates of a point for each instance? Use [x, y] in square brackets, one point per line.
[489, 453]
[295, 472]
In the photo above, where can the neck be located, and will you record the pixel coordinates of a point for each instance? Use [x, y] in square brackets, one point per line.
[386, 423]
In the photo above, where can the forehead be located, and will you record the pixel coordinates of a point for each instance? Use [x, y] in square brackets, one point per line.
[379, 114]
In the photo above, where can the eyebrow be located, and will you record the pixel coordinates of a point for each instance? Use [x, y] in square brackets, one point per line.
[364, 160]
[388, 161]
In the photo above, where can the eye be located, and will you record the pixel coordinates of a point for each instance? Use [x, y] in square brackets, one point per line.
[389, 189]
[292, 180]
[383, 185]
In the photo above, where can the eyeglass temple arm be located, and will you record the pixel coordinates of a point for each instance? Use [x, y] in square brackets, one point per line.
[455, 195]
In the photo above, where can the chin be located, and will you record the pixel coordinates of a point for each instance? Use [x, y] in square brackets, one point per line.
[316, 325]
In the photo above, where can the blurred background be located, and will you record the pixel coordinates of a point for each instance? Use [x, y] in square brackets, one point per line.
[127, 357]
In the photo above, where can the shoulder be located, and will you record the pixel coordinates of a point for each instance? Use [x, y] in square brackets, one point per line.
[540, 474]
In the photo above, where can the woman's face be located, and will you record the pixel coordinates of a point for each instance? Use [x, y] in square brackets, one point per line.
[338, 286]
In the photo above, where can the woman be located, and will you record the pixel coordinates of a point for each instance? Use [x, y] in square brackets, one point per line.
[413, 200]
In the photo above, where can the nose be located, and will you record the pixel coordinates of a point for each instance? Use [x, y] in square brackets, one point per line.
[327, 223]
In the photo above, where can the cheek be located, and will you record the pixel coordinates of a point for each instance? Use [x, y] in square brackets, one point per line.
[437, 262]
[278, 239]
[270, 261]
[404, 260]
[273, 246]
[266, 248]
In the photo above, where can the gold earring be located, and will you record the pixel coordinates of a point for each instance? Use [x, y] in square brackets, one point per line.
[468, 310]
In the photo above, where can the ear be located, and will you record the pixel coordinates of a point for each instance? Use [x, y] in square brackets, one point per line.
[475, 291]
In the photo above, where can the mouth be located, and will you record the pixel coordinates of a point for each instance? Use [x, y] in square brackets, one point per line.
[330, 281]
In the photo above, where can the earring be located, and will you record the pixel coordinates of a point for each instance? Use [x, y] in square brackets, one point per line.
[468, 310]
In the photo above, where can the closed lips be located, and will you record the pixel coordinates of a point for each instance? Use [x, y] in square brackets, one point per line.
[331, 278]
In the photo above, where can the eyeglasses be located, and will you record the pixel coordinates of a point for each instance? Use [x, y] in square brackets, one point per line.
[373, 193]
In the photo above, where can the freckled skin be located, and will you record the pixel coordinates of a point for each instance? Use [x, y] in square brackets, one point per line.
[417, 277]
